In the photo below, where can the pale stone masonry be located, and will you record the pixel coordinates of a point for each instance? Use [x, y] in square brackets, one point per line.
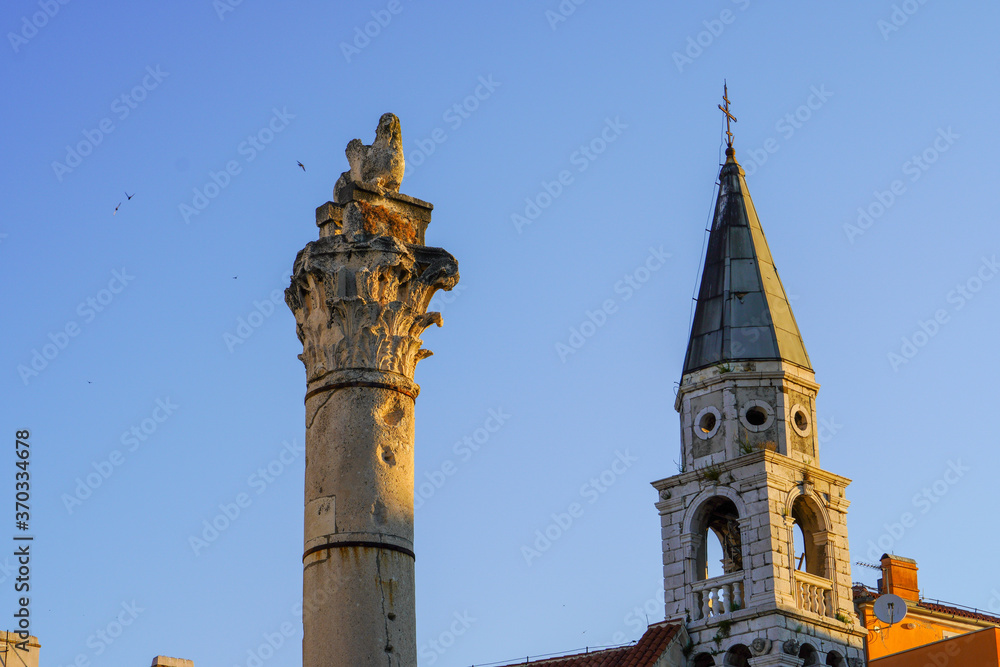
[12, 650]
[165, 661]
[751, 475]
[360, 294]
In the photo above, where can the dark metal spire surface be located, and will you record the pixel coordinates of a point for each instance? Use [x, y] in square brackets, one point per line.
[742, 312]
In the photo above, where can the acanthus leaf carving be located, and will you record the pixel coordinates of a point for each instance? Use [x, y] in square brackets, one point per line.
[361, 305]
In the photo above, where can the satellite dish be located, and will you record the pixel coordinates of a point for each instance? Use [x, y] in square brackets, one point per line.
[890, 608]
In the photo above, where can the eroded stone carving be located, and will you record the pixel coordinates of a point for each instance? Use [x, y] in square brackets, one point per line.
[366, 199]
[362, 305]
[790, 647]
[380, 165]
[361, 291]
[760, 645]
[359, 294]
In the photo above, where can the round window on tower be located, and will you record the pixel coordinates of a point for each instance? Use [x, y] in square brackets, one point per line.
[757, 416]
[800, 420]
[706, 424]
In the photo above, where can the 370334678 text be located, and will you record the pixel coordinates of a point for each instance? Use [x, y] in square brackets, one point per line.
[22, 516]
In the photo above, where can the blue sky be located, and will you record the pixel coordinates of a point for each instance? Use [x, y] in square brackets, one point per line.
[607, 123]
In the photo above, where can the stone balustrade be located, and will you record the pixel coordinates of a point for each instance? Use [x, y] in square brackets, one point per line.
[718, 596]
[814, 594]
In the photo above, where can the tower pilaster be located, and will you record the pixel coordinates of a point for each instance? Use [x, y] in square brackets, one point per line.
[359, 295]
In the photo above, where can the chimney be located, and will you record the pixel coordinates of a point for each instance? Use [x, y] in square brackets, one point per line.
[899, 577]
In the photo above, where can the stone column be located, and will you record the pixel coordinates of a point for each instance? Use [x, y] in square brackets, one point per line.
[359, 295]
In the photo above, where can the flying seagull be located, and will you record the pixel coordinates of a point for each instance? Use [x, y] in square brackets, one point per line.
[303, 166]
[129, 196]
[116, 208]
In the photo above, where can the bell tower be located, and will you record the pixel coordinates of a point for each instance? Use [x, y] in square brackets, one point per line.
[751, 486]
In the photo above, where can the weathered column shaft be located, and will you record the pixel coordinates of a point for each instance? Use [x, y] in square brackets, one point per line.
[359, 295]
[359, 526]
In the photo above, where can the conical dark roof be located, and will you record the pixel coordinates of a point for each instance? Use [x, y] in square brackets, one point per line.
[742, 312]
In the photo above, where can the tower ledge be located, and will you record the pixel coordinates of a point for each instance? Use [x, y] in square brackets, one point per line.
[747, 371]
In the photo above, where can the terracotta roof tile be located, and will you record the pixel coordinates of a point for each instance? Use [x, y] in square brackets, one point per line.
[957, 611]
[643, 653]
[863, 593]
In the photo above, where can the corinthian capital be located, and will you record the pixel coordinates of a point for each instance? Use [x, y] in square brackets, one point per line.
[360, 292]
[363, 304]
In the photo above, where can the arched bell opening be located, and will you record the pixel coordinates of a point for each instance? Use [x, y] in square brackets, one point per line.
[738, 656]
[704, 660]
[718, 525]
[809, 537]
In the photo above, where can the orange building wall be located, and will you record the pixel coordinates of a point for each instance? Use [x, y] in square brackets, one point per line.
[915, 630]
[976, 649]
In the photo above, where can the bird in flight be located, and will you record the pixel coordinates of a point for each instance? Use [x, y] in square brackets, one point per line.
[116, 208]
[235, 277]
[303, 166]
[129, 196]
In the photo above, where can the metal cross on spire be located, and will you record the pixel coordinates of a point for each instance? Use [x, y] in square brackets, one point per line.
[729, 116]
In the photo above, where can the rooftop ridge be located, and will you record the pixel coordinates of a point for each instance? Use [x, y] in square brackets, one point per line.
[638, 653]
